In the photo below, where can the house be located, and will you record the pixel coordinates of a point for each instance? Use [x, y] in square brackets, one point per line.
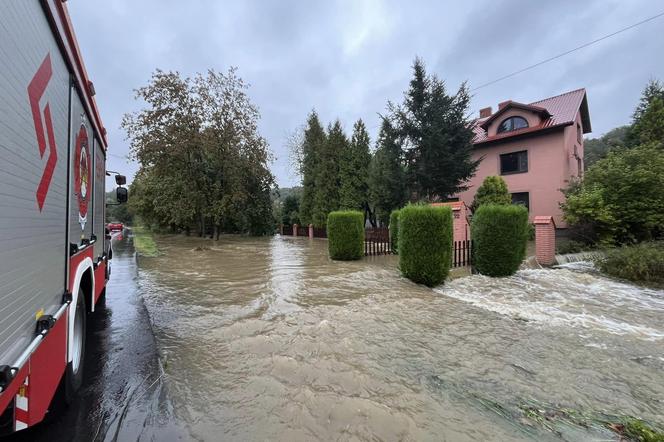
[537, 148]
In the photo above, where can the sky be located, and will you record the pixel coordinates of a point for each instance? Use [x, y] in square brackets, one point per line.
[347, 59]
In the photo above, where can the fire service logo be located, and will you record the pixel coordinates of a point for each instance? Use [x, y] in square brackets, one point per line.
[82, 174]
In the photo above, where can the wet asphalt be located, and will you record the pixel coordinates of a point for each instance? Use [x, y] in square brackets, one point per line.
[123, 396]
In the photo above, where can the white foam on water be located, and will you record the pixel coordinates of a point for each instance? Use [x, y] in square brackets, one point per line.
[562, 297]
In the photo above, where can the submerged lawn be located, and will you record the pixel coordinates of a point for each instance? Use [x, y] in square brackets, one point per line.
[144, 242]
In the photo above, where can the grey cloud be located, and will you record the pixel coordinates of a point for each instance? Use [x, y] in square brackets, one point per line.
[347, 58]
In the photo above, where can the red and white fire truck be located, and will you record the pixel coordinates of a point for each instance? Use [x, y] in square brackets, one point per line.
[54, 253]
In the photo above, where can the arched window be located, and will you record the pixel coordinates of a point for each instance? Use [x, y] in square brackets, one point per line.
[512, 123]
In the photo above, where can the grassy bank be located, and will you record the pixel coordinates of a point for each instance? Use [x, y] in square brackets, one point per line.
[144, 241]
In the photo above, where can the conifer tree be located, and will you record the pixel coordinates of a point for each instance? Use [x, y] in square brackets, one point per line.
[387, 183]
[438, 136]
[354, 170]
[327, 173]
[314, 138]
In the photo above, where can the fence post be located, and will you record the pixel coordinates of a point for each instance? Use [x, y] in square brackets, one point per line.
[281, 229]
[311, 231]
[295, 229]
[545, 240]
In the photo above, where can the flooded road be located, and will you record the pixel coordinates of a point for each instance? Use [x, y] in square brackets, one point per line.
[268, 339]
[123, 396]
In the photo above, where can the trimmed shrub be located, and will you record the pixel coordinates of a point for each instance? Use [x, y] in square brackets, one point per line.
[640, 263]
[425, 243]
[500, 234]
[345, 235]
[394, 231]
[492, 191]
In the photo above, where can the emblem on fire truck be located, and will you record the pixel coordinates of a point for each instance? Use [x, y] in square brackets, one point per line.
[82, 174]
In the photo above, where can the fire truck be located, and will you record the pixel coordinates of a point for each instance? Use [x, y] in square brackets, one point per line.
[54, 251]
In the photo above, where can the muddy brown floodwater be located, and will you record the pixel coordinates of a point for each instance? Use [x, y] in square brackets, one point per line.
[268, 339]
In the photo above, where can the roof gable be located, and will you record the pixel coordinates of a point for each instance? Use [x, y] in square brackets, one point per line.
[562, 110]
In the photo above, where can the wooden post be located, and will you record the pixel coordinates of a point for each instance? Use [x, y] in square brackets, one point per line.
[545, 240]
[294, 229]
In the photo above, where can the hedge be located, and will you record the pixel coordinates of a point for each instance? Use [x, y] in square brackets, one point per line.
[500, 234]
[345, 235]
[394, 231]
[640, 263]
[425, 243]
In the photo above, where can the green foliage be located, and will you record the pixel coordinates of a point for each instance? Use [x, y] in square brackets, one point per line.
[621, 196]
[290, 209]
[394, 231]
[492, 191]
[639, 431]
[425, 243]
[438, 136]
[314, 139]
[595, 149]
[117, 212]
[387, 181]
[202, 161]
[642, 262]
[345, 235]
[499, 237]
[354, 170]
[327, 174]
[650, 126]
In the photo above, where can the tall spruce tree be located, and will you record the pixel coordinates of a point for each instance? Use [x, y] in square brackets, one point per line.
[314, 139]
[438, 136]
[387, 181]
[354, 170]
[328, 159]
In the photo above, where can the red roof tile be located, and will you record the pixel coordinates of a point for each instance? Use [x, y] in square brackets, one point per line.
[563, 109]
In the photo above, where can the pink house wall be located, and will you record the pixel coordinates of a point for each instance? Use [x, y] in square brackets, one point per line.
[551, 164]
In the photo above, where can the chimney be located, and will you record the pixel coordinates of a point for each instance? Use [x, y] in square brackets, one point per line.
[486, 112]
[503, 104]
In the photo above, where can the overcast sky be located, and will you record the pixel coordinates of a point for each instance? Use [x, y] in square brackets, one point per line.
[346, 59]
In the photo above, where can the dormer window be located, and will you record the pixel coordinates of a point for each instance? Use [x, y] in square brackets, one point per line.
[512, 123]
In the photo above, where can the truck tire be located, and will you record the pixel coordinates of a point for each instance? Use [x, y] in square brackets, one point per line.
[74, 372]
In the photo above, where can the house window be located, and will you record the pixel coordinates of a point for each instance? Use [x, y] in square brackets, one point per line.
[521, 198]
[515, 162]
[512, 123]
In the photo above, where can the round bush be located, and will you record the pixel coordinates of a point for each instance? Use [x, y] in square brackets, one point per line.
[345, 235]
[425, 243]
[394, 231]
[500, 234]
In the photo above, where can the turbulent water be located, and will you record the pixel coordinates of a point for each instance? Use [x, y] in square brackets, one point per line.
[269, 339]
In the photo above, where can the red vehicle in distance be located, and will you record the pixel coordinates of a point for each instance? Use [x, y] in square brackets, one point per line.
[115, 227]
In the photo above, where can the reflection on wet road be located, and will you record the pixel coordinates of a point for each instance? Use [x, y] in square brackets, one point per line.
[268, 339]
[123, 397]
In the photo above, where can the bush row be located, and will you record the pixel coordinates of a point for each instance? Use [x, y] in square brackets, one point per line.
[425, 243]
[641, 262]
[345, 234]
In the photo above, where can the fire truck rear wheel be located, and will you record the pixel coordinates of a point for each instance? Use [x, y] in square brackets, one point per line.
[74, 375]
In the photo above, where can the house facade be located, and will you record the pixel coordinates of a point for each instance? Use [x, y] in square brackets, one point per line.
[536, 148]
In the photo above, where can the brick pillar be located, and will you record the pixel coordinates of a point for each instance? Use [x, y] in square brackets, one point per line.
[311, 231]
[545, 240]
[294, 229]
[281, 229]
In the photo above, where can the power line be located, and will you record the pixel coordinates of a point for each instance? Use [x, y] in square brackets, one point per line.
[585, 45]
